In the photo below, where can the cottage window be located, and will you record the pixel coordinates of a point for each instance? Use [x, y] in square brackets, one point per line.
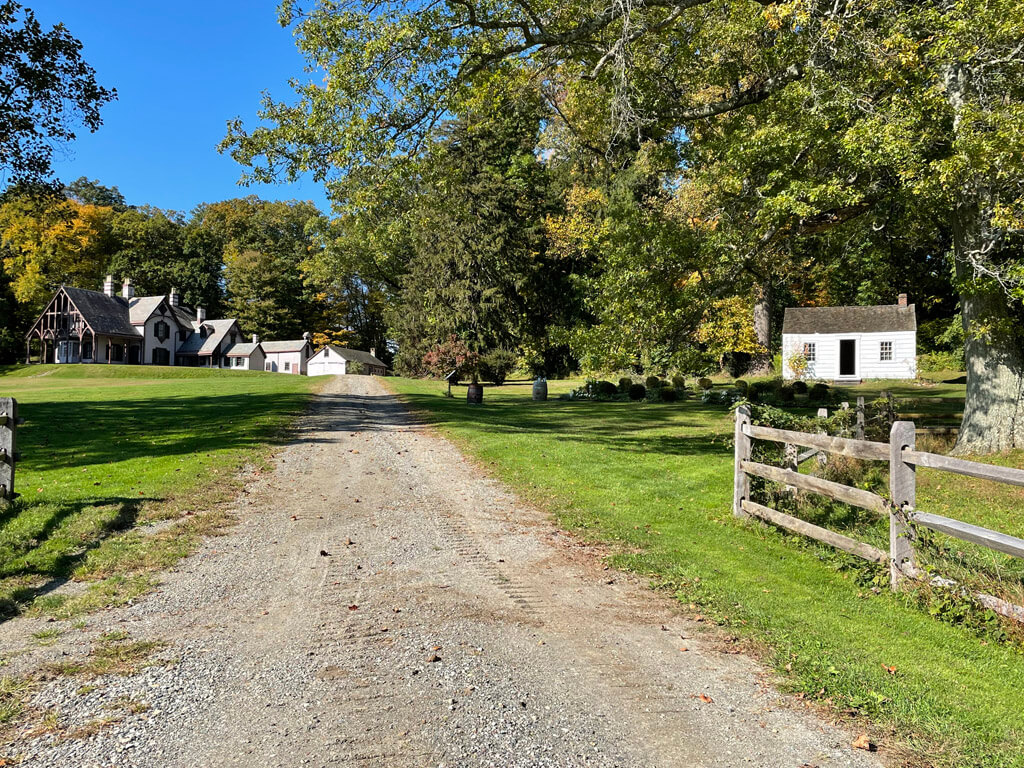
[810, 353]
[267, 368]
[238, 362]
[287, 366]
[885, 353]
[326, 352]
[162, 331]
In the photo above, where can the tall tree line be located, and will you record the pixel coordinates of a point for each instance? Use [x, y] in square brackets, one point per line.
[247, 258]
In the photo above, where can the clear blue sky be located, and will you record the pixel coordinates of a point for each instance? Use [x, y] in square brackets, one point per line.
[181, 69]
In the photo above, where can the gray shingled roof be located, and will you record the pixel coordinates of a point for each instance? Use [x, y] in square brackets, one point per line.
[141, 307]
[293, 345]
[357, 356]
[195, 344]
[880, 319]
[242, 350]
[107, 315]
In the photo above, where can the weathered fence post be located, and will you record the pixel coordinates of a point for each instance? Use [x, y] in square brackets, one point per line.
[791, 461]
[741, 482]
[822, 455]
[8, 447]
[860, 418]
[903, 490]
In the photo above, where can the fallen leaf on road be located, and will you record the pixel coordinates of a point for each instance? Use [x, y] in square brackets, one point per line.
[434, 658]
[705, 698]
[353, 607]
[684, 649]
[862, 742]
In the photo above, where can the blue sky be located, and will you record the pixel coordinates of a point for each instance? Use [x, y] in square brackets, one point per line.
[181, 69]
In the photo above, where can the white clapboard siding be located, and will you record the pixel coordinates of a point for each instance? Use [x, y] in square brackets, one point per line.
[869, 363]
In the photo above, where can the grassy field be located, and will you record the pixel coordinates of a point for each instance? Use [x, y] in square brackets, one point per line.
[107, 451]
[655, 481]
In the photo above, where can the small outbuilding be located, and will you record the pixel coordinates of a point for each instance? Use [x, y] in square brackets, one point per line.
[850, 343]
[339, 361]
[287, 356]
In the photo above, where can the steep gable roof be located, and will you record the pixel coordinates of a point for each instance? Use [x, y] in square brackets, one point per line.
[107, 315]
[878, 319]
[140, 308]
[195, 344]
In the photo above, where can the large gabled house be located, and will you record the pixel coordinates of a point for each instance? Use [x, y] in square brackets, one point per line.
[82, 326]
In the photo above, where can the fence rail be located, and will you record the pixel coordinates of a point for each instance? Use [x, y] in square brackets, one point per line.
[900, 508]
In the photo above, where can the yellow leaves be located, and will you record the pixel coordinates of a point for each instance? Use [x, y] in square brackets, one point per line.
[728, 326]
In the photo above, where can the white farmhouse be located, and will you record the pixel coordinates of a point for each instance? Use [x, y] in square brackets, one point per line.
[851, 343]
[338, 361]
[287, 356]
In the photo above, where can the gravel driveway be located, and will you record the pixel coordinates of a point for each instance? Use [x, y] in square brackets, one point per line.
[381, 603]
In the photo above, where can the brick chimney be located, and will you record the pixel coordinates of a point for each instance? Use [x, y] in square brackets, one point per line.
[174, 298]
[108, 285]
[902, 300]
[127, 289]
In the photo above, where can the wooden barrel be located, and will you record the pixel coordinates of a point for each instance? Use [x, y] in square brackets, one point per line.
[540, 389]
[475, 394]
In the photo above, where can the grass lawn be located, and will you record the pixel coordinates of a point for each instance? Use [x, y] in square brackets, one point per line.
[655, 480]
[108, 450]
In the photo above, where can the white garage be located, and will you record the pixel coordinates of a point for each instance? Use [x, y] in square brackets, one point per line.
[332, 360]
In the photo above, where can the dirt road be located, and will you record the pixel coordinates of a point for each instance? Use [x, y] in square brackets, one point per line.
[382, 604]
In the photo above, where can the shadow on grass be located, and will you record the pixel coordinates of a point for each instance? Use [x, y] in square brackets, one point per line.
[44, 554]
[59, 434]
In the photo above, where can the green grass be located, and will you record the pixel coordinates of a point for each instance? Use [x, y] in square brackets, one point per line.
[655, 481]
[107, 449]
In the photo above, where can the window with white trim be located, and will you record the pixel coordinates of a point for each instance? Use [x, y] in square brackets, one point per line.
[810, 353]
[885, 352]
[287, 366]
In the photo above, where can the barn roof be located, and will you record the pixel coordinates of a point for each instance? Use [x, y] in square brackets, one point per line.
[878, 319]
[107, 315]
[295, 345]
[357, 356]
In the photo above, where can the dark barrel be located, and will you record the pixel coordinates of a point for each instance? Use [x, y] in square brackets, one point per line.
[540, 389]
[475, 394]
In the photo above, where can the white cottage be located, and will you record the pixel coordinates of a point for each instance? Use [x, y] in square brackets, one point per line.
[338, 361]
[287, 356]
[851, 343]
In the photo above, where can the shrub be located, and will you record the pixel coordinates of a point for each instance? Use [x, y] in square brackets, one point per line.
[786, 394]
[653, 382]
[637, 391]
[668, 394]
[705, 383]
[679, 382]
[757, 391]
[451, 355]
[800, 387]
[607, 389]
[496, 365]
[354, 368]
[819, 392]
[798, 365]
[741, 385]
[933, 362]
[624, 384]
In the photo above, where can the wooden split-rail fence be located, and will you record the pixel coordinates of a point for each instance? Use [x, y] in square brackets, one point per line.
[8, 447]
[900, 508]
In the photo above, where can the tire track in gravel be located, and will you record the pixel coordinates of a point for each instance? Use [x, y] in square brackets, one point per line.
[445, 624]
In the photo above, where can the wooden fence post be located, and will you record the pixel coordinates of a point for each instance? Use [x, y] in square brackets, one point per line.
[8, 447]
[903, 491]
[741, 482]
[860, 418]
[822, 455]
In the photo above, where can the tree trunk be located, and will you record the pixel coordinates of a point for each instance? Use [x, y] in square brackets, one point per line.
[994, 410]
[764, 305]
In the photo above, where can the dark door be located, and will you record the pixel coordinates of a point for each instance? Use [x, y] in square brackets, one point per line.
[847, 357]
